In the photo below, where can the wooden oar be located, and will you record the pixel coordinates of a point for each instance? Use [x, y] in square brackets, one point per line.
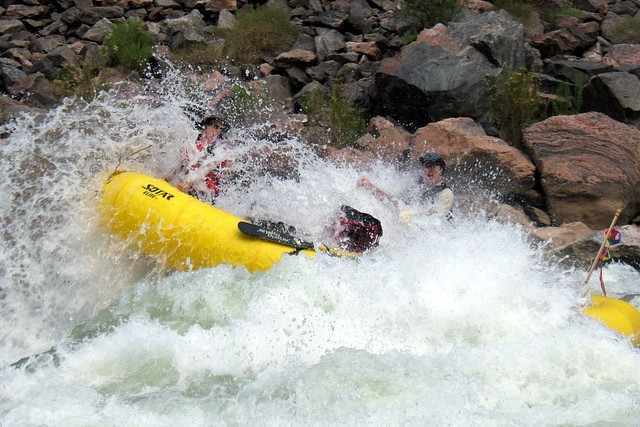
[617, 315]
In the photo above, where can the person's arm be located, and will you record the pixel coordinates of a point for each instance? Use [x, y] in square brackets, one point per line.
[377, 192]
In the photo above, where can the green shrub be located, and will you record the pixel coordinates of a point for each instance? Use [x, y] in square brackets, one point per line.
[554, 14]
[345, 122]
[81, 81]
[523, 10]
[199, 54]
[258, 33]
[129, 45]
[515, 102]
[427, 13]
[568, 98]
[627, 30]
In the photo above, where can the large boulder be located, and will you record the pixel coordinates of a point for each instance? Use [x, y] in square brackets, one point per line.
[444, 72]
[589, 165]
[468, 151]
[616, 94]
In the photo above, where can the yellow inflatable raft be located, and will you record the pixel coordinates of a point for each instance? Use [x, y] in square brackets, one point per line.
[184, 232]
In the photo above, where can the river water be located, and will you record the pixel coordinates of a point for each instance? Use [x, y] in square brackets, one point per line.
[464, 324]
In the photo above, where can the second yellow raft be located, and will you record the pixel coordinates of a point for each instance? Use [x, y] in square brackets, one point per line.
[184, 232]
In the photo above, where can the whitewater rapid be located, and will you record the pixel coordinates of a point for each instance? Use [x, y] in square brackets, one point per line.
[464, 324]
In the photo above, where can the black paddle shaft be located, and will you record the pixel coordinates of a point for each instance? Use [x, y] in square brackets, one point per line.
[275, 236]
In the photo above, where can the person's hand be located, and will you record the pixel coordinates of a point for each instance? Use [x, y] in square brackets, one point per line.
[406, 216]
[364, 182]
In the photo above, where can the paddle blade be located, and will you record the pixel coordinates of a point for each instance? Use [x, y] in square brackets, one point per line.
[617, 315]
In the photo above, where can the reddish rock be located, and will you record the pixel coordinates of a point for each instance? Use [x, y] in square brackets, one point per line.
[296, 57]
[350, 156]
[624, 55]
[377, 124]
[218, 5]
[366, 48]
[439, 36]
[466, 148]
[478, 6]
[391, 144]
[265, 69]
[23, 11]
[589, 166]
[560, 237]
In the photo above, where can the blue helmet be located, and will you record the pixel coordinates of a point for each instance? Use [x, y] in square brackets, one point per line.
[432, 159]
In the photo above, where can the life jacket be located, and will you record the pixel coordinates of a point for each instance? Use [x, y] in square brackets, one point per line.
[430, 195]
[213, 179]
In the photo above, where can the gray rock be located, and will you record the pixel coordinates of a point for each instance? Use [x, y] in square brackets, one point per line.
[348, 73]
[137, 13]
[361, 16]
[190, 28]
[497, 35]
[324, 71]
[226, 19]
[55, 27]
[591, 5]
[577, 71]
[23, 11]
[2, 10]
[10, 26]
[38, 23]
[316, 6]
[360, 93]
[309, 89]
[617, 94]
[328, 42]
[47, 44]
[10, 73]
[110, 12]
[71, 16]
[343, 58]
[624, 8]
[298, 77]
[166, 3]
[306, 42]
[426, 83]
[333, 18]
[99, 31]
[278, 91]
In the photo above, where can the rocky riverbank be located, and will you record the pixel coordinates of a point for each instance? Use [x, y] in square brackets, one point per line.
[419, 88]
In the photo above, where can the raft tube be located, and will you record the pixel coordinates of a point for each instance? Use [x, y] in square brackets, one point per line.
[185, 233]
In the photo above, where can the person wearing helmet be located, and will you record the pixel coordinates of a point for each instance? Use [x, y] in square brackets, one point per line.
[434, 191]
[199, 174]
[349, 230]
[354, 231]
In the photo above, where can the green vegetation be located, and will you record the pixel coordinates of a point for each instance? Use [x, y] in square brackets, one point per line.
[81, 81]
[260, 32]
[554, 14]
[199, 54]
[627, 30]
[515, 102]
[523, 10]
[427, 13]
[129, 45]
[568, 98]
[344, 121]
